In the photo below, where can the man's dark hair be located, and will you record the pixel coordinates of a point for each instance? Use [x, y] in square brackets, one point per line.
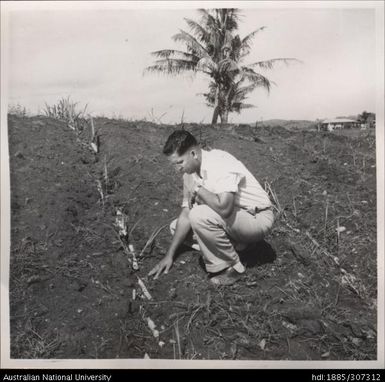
[179, 142]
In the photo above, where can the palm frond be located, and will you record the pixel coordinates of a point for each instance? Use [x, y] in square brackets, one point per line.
[242, 91]
[246, 41]
[213, 86]
[208, 19]
[207, 65]
[237, 107]
[211, 94]
[167, 53]
[257, 78]
[230, 17]
[223, 18]
[171, 66]
[198, 30]
[191, 42]
[236, 48]
[238, 97]
[269, 64]
[210, 99]
[247, 106]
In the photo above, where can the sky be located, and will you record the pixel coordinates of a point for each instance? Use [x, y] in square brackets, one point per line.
[95, 52]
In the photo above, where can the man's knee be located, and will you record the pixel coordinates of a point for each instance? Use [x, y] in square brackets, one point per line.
[202, 214]
[268, 223]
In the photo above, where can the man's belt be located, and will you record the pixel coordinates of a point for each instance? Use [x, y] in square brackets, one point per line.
[257, 210]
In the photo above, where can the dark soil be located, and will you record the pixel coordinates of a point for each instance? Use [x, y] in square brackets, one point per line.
[309, 292]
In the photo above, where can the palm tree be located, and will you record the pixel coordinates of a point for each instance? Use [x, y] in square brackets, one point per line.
[213, 48]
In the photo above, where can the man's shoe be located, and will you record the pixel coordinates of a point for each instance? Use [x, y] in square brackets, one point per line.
[228, 277]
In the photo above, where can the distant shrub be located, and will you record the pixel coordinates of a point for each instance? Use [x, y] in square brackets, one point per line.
[66, 110]
[18, 110]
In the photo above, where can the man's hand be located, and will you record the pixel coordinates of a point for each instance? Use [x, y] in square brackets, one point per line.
[163, 265]
[194, 197]
[196, 200]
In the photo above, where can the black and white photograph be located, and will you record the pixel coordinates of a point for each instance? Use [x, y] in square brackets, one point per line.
[122, 245]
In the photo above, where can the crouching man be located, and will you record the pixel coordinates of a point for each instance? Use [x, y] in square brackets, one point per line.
[224, 208]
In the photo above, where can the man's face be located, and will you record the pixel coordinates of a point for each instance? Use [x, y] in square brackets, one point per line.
[187, 163]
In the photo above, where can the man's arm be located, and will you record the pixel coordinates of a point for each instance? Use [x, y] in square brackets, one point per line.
[183, 227]
[222, 203]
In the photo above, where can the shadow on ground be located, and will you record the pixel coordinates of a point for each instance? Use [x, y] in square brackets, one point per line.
[261, 253]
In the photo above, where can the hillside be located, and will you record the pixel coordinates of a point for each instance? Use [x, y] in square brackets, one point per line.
[309, 292]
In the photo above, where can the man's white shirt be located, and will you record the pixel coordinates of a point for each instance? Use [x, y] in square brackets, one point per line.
[222, 172]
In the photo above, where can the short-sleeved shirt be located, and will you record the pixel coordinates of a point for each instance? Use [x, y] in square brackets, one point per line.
[222, 172]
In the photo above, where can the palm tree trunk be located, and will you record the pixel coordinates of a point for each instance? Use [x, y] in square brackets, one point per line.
[214, 120]
[225, 102]
[224, 116]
